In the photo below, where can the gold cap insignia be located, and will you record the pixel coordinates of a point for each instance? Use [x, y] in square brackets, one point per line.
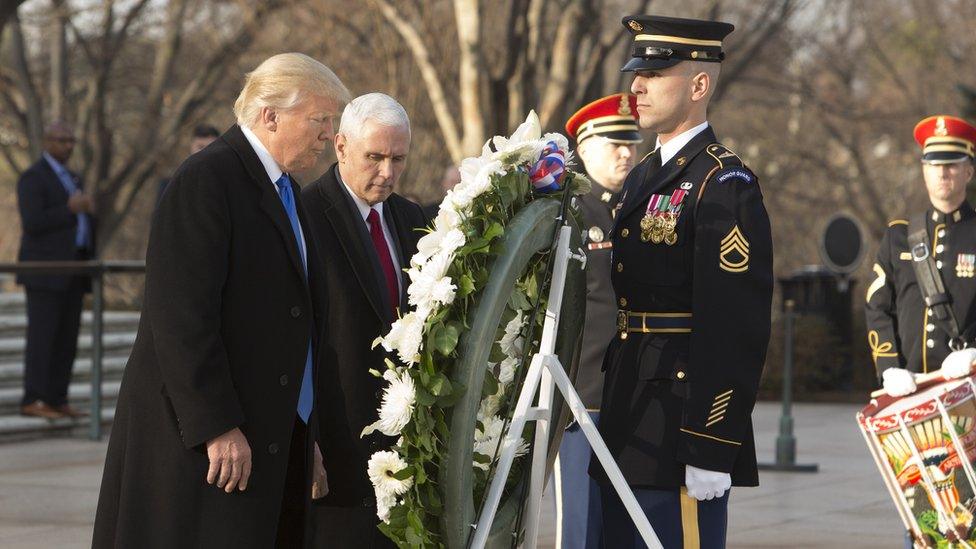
[635, 25]
[940, 127]
[624, 108]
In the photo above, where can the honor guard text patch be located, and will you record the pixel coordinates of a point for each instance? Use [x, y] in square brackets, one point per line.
[735, 173]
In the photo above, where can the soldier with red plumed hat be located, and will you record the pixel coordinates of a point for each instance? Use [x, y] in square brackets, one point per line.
[921, 304]
[607, 135]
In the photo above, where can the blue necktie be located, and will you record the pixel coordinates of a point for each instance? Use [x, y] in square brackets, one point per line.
[81, 234]
[306, 395]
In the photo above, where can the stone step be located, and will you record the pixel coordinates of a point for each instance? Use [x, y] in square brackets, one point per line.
[15, 324]
[13, 302]
[12, 373]
[79, 395]
[15, 427]
[12, 348]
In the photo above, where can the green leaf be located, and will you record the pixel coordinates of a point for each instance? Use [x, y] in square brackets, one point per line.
[404, 474]
[440, 385]
[519, 301]
[424, 398]
[445, 339]
[494, 231]
[491, 384]
[465, 285]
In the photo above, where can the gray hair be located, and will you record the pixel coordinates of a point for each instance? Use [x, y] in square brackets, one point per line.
[281, 82]
[372, 107]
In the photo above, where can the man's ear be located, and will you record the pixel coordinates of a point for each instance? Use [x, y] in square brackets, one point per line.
[701, 84]
[340, 143]
[269, 119]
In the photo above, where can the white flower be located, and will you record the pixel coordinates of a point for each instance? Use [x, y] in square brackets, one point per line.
[385, 503]
[476, 174]
[439, 241]
[429, 285]
[511, 342]
[506, 372]
[397, 406]
[486, 441]
[521, 139]
[406, 335]
[448, 217]
[491, 404]
[382, 467]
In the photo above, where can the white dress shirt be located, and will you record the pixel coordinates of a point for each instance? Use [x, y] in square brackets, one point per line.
[671, 148]
[364, 208]
[274, 173]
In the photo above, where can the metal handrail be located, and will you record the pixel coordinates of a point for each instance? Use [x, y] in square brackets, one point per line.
[96, 270]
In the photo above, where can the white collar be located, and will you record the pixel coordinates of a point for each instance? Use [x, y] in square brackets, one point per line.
[671, 148]
[361, 204]
[268, 161]
[55, 165]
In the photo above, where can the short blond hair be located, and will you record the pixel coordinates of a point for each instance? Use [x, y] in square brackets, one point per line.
[284, 80]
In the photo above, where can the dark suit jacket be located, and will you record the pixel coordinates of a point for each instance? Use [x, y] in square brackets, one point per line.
[48, 227]
[358, 312]
[226, 323]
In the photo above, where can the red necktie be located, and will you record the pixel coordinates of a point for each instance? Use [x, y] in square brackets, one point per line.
[386, 261]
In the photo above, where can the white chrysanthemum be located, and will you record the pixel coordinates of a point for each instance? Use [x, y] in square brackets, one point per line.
[448, 217]
[438, 241]
[476, 174]
[384, 504]
[486, 441]
[429, 285]
[511, 342]
[506, 370]
[406, 335]
[491, 404]
[397, 406]
[382, 467]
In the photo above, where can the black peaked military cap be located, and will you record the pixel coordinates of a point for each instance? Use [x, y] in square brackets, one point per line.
[662, 42]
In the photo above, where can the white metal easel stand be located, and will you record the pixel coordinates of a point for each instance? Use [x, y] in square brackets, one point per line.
[545, 370]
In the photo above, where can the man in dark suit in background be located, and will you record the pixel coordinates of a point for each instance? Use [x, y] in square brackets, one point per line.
[57, 225]
[203, 135]
[214, 432]
[366, 235]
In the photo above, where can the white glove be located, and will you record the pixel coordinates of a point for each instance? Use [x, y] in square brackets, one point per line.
[958, 363]
[703, 485]
[898, 382]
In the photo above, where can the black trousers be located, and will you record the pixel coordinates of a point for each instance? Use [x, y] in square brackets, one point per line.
[348, 528]
[53, 321]
[292, 519]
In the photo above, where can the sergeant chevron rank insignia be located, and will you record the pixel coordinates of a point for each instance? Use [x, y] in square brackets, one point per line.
[734, 252]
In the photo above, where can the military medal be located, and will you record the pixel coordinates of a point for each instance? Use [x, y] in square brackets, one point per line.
[675, 204]
[595, 233]
[966, 265]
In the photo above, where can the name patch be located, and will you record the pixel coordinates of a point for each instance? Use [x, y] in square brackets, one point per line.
[736, 173]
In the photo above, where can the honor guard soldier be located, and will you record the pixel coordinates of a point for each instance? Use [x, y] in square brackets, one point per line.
[921, 306]
[607, 135]
[692, 272]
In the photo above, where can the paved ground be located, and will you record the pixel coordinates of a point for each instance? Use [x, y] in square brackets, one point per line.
[48, 490]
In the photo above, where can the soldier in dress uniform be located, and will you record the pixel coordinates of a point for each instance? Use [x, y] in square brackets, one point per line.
[912, 329]
[607, 135]
[692, 272]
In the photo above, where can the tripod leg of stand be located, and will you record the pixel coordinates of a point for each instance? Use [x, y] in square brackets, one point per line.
[507, 456]
[603, 454]
[538, 477]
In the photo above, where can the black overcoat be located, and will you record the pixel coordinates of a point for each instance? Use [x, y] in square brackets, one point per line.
[359, 312]
[226, 324]
[694, 321]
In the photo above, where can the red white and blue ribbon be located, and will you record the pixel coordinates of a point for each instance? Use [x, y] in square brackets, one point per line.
[547, 174]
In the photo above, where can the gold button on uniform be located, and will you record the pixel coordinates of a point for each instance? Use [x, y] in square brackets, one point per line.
[620, 267]
[624, 232]
[623, 302]
[680, 375]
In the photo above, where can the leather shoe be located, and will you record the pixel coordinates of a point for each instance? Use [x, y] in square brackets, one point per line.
[39, 408]
[70, 412]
